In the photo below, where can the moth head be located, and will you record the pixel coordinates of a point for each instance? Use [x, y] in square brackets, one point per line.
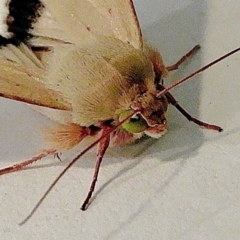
[151, 119]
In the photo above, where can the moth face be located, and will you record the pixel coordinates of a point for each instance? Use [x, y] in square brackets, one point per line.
[152, 118]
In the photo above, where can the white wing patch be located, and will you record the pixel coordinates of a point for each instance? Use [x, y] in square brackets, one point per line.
[4, 12]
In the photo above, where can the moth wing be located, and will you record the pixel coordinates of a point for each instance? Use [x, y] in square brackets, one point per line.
[47, 31]
[22, 79]
[82, 20]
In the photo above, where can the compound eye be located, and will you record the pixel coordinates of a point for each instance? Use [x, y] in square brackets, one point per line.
[135, 124]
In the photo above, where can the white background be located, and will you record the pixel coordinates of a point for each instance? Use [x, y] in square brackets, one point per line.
[182, 186]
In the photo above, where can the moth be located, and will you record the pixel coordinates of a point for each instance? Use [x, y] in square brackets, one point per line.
[101, 77]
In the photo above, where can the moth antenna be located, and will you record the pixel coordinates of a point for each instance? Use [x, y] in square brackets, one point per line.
[173, 101]
[19, 166]
[103, 136]
[167, 89]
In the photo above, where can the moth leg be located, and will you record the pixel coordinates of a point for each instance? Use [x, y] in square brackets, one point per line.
[57, 155]
[20, 166]
[102, 147]
[183, 59]
[174, 102]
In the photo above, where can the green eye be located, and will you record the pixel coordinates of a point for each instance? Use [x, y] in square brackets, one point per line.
[135, 124]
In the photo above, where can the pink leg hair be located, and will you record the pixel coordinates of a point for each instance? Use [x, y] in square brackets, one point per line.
[102, 147]
[20, 166]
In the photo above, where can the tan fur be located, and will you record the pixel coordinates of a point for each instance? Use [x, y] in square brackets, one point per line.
[157, 61]
[101, 71]
[65, 136]
[87, 81]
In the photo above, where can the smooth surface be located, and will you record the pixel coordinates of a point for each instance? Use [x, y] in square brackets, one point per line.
[182, 186]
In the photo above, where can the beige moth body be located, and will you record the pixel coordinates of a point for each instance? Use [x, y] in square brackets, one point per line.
[84, 63]
[84, 73]
[94, 76]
